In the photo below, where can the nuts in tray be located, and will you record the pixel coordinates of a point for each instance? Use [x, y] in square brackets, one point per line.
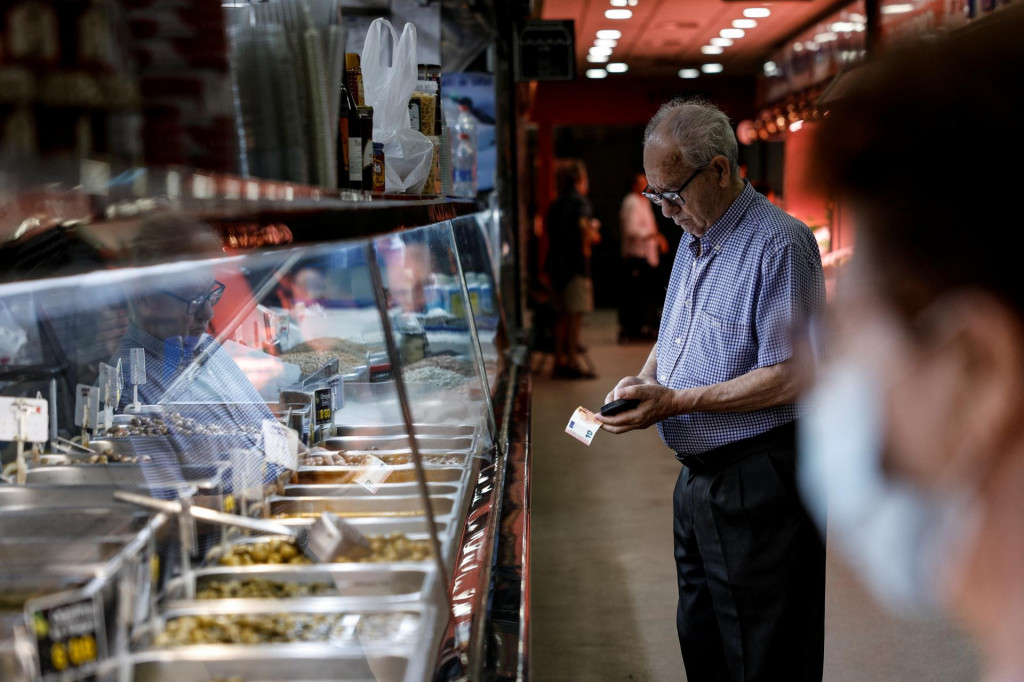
[274, 551]
[107, 457]
[260, 588]
[383, 549]
[175, 423]
[273, 628]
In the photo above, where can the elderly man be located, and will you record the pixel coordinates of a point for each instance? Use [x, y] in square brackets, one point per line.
[720, 384]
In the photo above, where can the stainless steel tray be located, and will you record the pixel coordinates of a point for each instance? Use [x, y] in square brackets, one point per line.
[292, 662]
[378, 430]
[74, 556]
[355, 490]
[356, 507]
[56, 525]
[33, 497]
[122, 475]
[400, 444]
[369, 583]
[405, 473]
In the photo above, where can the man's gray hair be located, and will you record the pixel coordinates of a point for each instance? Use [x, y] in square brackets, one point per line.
[699, 129]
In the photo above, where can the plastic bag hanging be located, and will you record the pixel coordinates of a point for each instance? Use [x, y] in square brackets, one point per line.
[388, 81]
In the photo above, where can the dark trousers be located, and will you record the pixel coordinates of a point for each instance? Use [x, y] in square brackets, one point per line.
[750, 566]
[638, 298]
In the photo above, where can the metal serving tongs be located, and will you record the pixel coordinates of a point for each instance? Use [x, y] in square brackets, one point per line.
[324, 540]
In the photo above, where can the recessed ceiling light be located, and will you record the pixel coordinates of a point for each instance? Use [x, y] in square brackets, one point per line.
[711, 49]
[605, 42]
[609, 34]
[601, 51]
[744, 23]
[597, 73]
[712, 68]
[617, 14]
[902, 8]
[617, 67]
[757, 12]
[721, 42]
[734, 33]
[689, 73]
[618, 3]
[597, 58]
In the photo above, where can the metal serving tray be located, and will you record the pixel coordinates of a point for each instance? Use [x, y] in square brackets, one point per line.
[79, 497]
[400, 444]
[349, 507]
[120, 475]
[292, 662]
[405, 473]
[357, 583]
[355, 490]
[73, 556]
[392, 430]
[55, 525]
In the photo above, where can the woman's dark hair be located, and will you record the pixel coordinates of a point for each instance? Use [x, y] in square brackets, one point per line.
[568, 172]
[924, 145]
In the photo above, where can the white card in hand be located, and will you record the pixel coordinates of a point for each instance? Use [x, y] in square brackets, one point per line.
[583, 425]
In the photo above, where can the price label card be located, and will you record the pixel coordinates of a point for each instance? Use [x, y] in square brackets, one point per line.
[86, 398]
[24, 419]
[278, 447]
[373, 473]
[69, 636]
[583, 425]
[323, 406]
[138, 366]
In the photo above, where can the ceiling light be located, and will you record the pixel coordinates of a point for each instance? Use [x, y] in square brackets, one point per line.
[712, 68]
[902, 8]
[756, 12]
[632, 3]
[597, 58]
[732, 33]
[597, 73]
[609, 34]
[618, 3]
[617, 14]
[605, 42]
[721, 42]
[689, 73]
[744, 23]
[601, 51]
[617, 67]
[711, 49]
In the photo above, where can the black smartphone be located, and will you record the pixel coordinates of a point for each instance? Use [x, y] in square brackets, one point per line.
[620, 405]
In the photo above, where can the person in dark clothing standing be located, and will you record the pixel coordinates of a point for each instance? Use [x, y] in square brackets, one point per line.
[572, 231]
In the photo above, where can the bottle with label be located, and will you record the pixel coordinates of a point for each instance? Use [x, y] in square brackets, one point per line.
[464, 155]
[346, 115]
[354, 78]
[366, 132]
[355, 150]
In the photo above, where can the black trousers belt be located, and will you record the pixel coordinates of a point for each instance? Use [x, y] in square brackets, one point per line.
[724, 455]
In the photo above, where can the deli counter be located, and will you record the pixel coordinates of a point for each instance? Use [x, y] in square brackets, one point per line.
[302, 461]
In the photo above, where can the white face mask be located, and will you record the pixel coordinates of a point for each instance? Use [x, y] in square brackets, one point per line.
[900, 540]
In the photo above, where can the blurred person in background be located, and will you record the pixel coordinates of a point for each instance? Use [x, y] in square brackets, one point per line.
[642, 246]
[914, 437]
[720, 383]
[572, 233]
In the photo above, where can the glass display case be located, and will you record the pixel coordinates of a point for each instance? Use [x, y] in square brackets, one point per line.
[285, 443]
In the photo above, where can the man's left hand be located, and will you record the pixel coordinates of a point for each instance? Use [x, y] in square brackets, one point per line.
[656, 404]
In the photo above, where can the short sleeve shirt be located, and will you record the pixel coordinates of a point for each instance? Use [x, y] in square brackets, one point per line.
[734, 299]
[566, 258]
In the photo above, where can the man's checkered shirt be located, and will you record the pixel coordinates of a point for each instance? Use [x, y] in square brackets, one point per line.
[731, 310]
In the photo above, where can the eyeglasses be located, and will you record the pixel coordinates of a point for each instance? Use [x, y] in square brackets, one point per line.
[672, 197]
[196, 303]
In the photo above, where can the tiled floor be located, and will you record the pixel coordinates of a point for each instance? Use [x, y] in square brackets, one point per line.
[603, 604]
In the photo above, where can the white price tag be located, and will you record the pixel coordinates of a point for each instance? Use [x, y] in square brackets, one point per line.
[138, 362]
[280, 444]
[373, 473]
[86, 397]
[583, 425]
[24, 419]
